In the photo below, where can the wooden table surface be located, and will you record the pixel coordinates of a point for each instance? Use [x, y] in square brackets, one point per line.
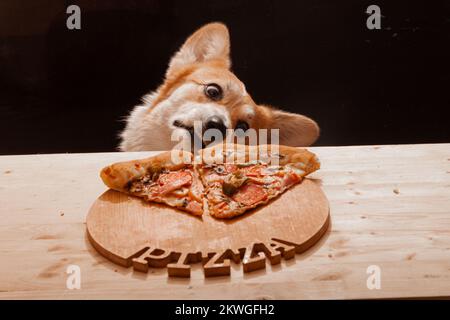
[389, 205]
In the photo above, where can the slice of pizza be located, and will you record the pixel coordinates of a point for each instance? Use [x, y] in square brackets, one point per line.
[238, 178]
[159, 179]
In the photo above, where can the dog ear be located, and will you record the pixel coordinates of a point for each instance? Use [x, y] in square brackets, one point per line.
[295, 129]
[210, 42]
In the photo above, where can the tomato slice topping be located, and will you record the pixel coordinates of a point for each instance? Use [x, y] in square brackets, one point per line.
[250, 194]
[173, 181]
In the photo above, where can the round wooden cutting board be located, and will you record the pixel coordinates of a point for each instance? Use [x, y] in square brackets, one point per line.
[132, 232]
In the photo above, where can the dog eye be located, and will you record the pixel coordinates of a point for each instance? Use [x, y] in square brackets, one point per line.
[242, 125]
[213, 91]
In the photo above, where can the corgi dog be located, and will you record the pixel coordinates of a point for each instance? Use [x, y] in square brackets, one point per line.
[200, 87]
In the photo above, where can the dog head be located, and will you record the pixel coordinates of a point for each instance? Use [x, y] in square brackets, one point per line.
[199, 86]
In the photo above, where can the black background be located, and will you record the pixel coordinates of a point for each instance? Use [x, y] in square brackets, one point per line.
[67, 90]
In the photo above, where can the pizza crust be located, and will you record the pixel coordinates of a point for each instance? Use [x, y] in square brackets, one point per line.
[118, 175]
[270, 154]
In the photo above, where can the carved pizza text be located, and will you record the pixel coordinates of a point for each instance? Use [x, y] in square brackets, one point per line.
[216, 263]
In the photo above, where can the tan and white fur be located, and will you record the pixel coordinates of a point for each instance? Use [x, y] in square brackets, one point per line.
[204, 59]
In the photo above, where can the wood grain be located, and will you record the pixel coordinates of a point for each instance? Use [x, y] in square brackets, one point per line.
[390, 206]
[132, 232]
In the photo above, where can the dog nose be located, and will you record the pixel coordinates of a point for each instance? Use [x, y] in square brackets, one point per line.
[216, 122]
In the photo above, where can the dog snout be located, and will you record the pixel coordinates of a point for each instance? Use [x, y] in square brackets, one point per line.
[216, 122]
[197, 137]
[179, 124]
